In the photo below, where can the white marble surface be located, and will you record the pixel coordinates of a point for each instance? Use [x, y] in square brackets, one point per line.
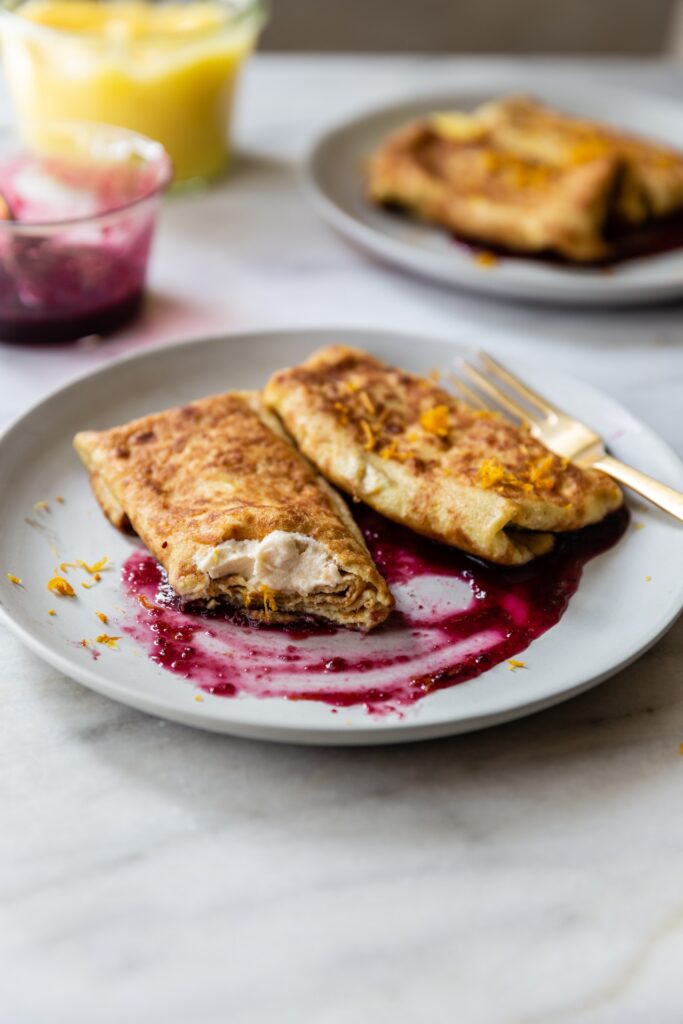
[526, 875]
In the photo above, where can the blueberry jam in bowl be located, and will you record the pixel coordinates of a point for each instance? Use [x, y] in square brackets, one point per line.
[78, 207]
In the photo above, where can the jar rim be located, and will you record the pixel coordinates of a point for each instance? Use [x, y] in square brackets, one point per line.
[238, 13]
[155, 156]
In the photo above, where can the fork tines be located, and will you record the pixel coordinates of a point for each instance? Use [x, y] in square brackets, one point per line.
[497, 387]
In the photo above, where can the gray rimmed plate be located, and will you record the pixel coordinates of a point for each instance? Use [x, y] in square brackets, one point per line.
[615, 615]
[335, 169]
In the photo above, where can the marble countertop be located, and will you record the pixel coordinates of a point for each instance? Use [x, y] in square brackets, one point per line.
[525, 875]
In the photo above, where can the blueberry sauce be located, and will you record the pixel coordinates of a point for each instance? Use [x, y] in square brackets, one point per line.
[656, 238]
[51, 292]
[65, 272]
[455, 618]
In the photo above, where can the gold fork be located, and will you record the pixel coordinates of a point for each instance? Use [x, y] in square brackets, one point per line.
[562, 434]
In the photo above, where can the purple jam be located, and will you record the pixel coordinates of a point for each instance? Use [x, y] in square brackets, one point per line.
[655, 238]
[455, 618]
[74, 252]
[52, 293]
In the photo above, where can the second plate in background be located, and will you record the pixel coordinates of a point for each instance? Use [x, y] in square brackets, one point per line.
[335, 182]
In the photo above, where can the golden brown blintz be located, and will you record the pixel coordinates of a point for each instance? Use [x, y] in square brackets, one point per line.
[413, 452]
[235, 514]
[650, 182]
[521, 176]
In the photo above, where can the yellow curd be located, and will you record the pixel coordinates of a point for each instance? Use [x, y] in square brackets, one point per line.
[167, 70]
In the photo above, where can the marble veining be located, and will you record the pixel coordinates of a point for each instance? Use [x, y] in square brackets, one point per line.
[530, 874]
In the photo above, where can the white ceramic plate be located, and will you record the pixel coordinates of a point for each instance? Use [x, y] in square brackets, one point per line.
[334, 173]
[614, 616]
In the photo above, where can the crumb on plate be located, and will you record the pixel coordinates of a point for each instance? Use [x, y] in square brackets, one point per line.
[515, 663]
[102, 617]
[16, 580]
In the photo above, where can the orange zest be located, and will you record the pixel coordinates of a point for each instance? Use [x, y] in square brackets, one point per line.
[343, 413]
[58, 585]
[540, 475]
[367, 402]
[370, 440]
[16, 580]
[486, 259]
[391, 451]
[104, 619]
[108, 641]
[269, 602]
[589, 148]
[267, 596]
[436, 420]
[95, 567]
[492, 475]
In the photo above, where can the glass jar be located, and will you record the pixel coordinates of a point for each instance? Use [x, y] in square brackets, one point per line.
[81, 202]
[167, 70]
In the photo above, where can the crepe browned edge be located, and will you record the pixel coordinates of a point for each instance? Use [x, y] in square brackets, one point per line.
[523, 177]
[413, 452]
[221, 468]
[650, 184]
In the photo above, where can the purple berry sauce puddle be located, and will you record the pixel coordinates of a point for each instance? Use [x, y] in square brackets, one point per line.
[455, 618]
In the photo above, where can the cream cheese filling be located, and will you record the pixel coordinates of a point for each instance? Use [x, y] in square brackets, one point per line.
[287, 562]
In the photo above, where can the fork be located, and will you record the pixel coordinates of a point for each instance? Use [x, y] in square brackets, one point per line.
[496, 387]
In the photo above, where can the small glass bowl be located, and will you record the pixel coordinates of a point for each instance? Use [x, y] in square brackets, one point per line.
[82, 200]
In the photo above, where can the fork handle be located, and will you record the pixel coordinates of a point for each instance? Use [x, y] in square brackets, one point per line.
[659, 494]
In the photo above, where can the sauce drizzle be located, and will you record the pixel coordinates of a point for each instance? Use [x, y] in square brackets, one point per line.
[456, 617]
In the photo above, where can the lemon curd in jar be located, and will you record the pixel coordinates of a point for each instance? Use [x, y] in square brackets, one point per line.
[167, 70]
